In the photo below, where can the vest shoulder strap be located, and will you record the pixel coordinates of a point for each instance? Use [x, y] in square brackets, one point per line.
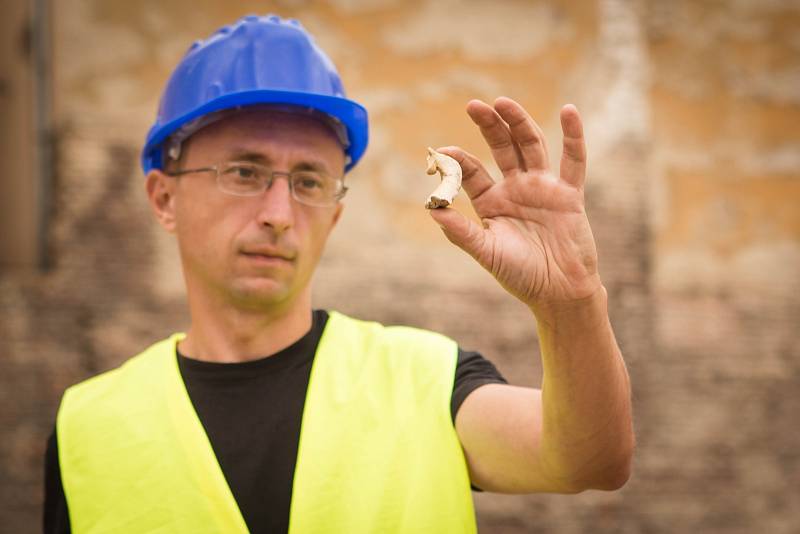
[134, 456]
[378, 451]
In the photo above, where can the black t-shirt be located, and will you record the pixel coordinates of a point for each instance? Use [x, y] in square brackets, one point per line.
[251, 412]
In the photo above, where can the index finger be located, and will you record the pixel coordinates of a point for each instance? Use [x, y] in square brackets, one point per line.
[525, 132]
[497, 135]
[475, 179]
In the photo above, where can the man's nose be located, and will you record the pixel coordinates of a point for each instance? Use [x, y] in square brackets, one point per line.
[276, 208]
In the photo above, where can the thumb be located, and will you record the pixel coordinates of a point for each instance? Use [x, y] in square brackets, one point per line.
[460, 230]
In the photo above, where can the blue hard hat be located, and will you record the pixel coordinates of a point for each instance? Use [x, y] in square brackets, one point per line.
[256, 60]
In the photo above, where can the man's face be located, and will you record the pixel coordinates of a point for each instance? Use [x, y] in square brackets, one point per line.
[256, 252]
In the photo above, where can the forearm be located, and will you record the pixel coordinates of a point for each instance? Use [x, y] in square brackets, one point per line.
[587, 434]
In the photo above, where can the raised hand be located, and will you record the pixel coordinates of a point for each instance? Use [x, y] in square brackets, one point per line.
[535, 237]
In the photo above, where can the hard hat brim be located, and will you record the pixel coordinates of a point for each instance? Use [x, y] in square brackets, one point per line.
[350, 113]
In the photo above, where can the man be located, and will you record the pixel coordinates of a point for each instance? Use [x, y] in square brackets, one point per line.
[269, 416]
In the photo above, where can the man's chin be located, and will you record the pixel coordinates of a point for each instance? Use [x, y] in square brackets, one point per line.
[262, 294]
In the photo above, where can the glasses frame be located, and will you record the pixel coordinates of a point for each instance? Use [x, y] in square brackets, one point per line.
[342, 189]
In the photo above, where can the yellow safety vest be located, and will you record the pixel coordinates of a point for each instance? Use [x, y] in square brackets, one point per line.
[377, 454]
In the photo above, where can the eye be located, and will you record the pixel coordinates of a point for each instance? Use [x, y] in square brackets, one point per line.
[309, 180]
[243, 172]
[242, 175]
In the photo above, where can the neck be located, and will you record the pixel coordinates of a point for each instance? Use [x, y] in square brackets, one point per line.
[221, 332]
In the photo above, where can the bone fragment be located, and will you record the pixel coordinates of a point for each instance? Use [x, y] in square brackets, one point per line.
[450, 172]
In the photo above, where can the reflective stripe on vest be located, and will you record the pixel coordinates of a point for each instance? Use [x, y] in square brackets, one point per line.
[377, 452]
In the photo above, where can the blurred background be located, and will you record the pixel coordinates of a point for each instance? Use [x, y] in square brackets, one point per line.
[692, 113]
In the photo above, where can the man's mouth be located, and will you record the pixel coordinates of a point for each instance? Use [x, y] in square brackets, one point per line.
[268, 256]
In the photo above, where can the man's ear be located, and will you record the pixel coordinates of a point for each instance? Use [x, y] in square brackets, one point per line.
[337, 214]
[160, 190]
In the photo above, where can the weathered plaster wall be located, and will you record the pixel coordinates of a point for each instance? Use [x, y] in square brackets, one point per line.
[691, 113]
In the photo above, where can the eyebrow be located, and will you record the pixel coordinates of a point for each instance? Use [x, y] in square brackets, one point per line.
[258, 157]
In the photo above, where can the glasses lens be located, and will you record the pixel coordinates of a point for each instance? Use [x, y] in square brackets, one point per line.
[242, 178]
[315, 188]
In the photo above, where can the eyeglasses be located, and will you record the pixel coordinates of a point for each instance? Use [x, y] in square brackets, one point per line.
[244, 178]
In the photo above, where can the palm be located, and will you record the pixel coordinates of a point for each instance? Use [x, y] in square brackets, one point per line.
[535, 238]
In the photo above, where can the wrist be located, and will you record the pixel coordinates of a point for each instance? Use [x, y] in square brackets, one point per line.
[579, 309]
